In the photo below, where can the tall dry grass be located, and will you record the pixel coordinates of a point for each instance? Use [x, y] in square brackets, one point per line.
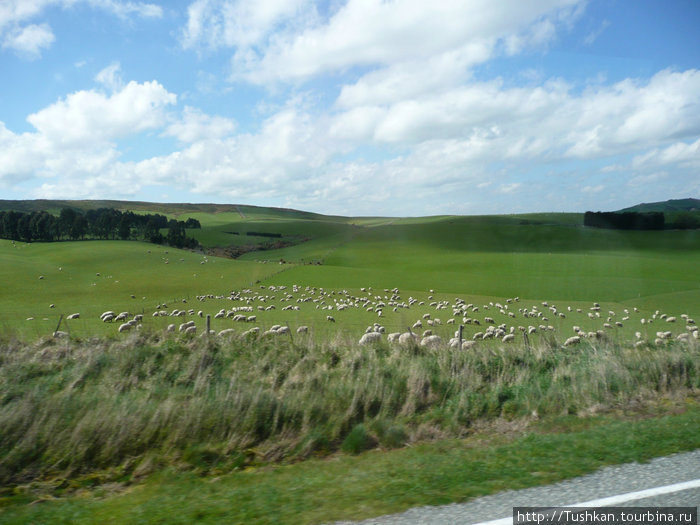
[71, 407]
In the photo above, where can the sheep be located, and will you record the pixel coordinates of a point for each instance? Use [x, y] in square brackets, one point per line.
[73, 316]
[370, 337]
[508, 338]
[393, 337]
[407, 338]
[170, 328]
[670, 319]
[138, 317]
[191, 330]
[185, 326]
[125, 327]
[251, 319]
[108, 318]
[330, 318]
[252, 332]
[107, 313]
[572, 341]
[302, 329]
[431, 341]
[226, 332]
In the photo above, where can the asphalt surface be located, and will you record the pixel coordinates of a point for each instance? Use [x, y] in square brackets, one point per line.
[607, 482]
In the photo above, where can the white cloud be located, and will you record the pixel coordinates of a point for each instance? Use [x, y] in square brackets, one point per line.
[110, 77]
[196, 126]
[239, 23]
[376, 33]
[74, 137]
[87, 117]
[29, 40]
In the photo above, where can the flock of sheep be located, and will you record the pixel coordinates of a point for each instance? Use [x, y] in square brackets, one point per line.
[506, 322]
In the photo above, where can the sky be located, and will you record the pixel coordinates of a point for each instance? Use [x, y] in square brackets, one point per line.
[352, 107]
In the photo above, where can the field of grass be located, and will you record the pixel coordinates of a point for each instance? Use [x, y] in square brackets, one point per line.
[117, 408]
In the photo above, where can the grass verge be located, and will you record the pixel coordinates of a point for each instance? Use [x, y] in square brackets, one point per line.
[376, 483]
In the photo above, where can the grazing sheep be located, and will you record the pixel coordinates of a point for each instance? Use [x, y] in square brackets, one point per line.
[108, 318]
[407, 338]
[59, 333]
[73, 316]
[303, 330]
[330, 318]
[125, 327]
[432, 341]
[252, 332]
[170, 328]
[226, 332]
[393, 337]
[185, 326]
[572, 341]
[370, 337]
[191, 330]
[508, 338]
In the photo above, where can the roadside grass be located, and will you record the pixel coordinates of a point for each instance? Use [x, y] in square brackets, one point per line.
[128, 407]
[342, 487]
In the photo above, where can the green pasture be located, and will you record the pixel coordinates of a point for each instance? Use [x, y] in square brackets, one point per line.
[482, 259]
[93, 276]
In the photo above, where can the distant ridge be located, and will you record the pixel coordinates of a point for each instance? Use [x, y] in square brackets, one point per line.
[153, 207]
[669, 205]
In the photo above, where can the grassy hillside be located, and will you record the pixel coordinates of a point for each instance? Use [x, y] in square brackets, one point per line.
[667, 206]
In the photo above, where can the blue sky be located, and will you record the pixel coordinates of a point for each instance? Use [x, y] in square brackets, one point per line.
[352, 107]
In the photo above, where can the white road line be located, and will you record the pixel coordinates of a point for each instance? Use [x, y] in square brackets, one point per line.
[614, 500]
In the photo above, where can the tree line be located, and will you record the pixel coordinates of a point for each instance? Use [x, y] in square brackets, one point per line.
[102, 223]
[630, 220]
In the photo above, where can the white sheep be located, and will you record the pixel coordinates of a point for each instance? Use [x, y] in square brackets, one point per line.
[125, 327]
[407, 338]
[572, 341]
[73, 316]
[431, 341]
[302, 329]
[370, 337]
[508, 338]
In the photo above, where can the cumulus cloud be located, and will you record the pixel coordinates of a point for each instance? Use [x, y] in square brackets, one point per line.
[88, 117]
[75, 136]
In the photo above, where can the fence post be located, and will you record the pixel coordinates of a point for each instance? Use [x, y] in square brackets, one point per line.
[208, 324]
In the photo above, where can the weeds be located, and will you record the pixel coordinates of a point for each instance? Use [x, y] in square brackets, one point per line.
[75, 407]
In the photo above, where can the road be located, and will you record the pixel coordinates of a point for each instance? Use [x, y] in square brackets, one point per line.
[676, 479]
